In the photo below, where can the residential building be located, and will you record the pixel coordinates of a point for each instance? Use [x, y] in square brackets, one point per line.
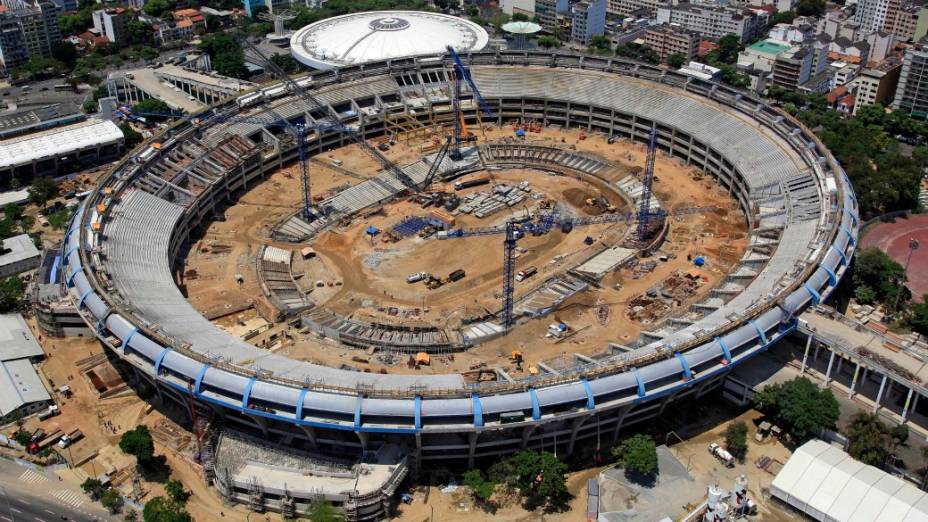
[714, 22]
[27, 30]
[192, 18]
[912, 89]
[112, 23]
[589, 20]
[759, 57]
[792, 34]
[18, 254]
[66, 6]
[797, 69]
[836, 24]
[904, 22]
[546, 12]
[226, 18]
[627, 7]
[667, 40]
[877, 84]
[871, 14]
[511, 7]
[843, 73]
[272, 5]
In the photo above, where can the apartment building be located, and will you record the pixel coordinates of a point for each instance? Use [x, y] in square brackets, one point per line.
[912, 90]
[112, 23]
[589, 20]
[877, 84]
[627, 7]
[667, 40]
[714, 22]
[27, 30]
[872, 14]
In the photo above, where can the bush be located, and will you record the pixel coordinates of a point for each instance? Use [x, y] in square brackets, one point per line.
[736, 440]
[638, 454]
[23, 437]
[112, 500]
[93, 488]
[174, 489]
[867, 436]
[539, 477]
[482, 488]
[160, 509]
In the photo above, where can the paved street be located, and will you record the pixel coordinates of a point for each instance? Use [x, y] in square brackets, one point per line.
[32, 495]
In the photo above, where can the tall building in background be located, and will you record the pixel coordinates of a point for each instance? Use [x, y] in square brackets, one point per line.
[28, 29]
[589, 20]
[872, 14]
[112, 23]
[627, 7]
[714, 22]
[667, 40]
[912, 90]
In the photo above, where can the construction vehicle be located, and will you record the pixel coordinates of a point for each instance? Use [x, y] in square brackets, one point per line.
[433, 282]
[419, 276]
[526, 273]
[70, 438]
[36, 445]
[723, 455]
[457, 275]
[516, 358]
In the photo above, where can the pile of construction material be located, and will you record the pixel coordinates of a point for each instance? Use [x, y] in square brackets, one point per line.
[658, 301]
[503, 196]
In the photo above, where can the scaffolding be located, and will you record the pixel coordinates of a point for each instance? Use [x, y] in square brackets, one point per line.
[255, 495]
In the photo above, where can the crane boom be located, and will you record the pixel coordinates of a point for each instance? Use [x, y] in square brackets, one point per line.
[644, 209]
[336, 122]
[439, 157]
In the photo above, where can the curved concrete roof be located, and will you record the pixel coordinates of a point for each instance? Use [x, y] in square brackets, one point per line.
[382, 35]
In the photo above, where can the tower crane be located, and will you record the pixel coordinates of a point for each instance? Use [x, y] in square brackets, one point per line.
[514, 230]
[644, 206]
[460, 73]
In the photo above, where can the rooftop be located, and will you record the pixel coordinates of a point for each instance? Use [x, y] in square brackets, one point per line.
[770, 47]
[16, 339]
[17, 248]
[19, 385]
[381, 35]
[19, 121]
[58, 141]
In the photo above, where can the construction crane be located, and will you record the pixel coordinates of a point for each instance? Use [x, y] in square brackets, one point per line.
[644, 207]
[514, 230]
[331, 114]
[297, 130]
[436, 163]
[460, 73]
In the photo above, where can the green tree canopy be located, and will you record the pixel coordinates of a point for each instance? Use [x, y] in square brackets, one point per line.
[132, 137]
[174, 489]
[539, 477]
[12, 291]
[323, 511]
[92, 487]
[43, 190]
[867, 436]
[810, 7]
[877, 278]
[637, 52]
[548, 41]
[799, 407]
[676, 60]
[226, 54]
[919, 317]
[152, 105]
[736, 439]
[112, 500]
[638, 454]
[481, 487]
[138, 442]
[161, 509]
[729, 47]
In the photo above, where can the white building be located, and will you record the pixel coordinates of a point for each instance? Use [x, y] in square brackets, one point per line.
[871, 14]
[21, 389]
[18, 254]
[57, 150]
[714, 22]
[791, 33]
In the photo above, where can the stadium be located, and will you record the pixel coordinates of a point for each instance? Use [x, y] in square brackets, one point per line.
[794, 203]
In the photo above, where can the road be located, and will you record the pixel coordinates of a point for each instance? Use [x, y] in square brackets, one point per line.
[33, 496]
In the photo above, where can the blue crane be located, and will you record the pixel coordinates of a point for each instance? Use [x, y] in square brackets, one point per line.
[460, 73]
[332, 116]
[514, 230]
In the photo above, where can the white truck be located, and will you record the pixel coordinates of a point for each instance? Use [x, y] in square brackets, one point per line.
[722, 454]
[418, 276]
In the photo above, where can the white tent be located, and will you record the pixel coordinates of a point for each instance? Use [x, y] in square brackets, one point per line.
[827, 484]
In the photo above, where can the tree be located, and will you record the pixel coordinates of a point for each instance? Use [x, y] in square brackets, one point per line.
[138, 442]
[548, 41]
[676, 60]
[139, 33]
[112, 500]
[132, 137]
[22, 437]
[783, 17]
[736, 439]
[64, 52]
[810, 7]
[11, 294]
[161, 509]
[867, 437]
[479, 485]
[226, 54]
[877, 278]
[919, 318]
[323, 511]
[637, 52]
[729, 47]
[799, 407]
[131, 516]
[898, 436]
[285, 62]
[174, 489]
[158, 8]
[93, 488]
[152, 105]
[42, 190]
[519, 17]
[539, 477]
[638, 454]
[600, 44]
[13, 211]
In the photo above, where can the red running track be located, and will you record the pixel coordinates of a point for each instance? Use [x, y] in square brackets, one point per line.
[893, 238]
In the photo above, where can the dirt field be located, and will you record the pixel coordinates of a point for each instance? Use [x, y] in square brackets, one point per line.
[366, 278]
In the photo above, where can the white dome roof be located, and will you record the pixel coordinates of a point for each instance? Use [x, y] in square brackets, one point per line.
[380, 35]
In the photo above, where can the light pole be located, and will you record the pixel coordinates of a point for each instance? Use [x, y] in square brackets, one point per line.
[913, 246]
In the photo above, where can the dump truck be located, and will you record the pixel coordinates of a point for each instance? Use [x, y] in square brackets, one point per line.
[70, 438]
[526, 273]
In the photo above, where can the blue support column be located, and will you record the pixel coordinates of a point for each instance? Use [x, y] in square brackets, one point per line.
[641, 390]
[840, 253]
[299, 404]
[80, 301]
[685, 365]
[590, 400]
[816, 298]
[725, 349]
[478, 411]
[246, 395]
[418, 412]
[850, 237]
[536, 408]
[832, 277]
[158, 360]
[357, 412]
[199, 381]
[70, 280]
[128, 338]
[760, 333]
